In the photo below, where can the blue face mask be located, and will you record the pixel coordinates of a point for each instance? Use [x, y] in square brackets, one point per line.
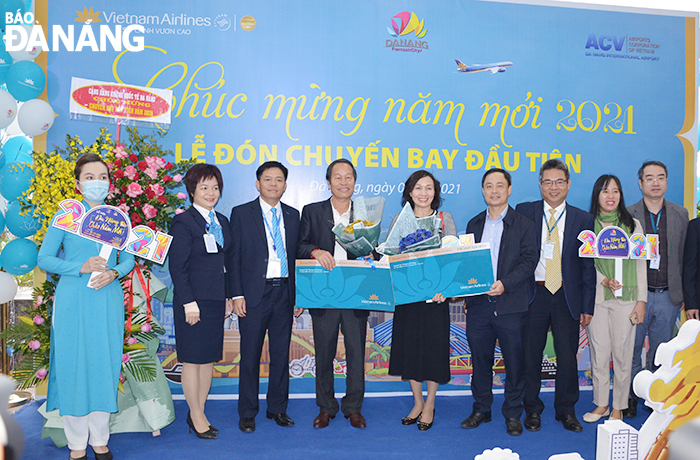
[95, 190]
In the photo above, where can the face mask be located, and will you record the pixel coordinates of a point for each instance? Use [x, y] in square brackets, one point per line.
[95, 190]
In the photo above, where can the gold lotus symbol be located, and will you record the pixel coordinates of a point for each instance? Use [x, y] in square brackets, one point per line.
[88, 16]
[374, 297]
[473, 281]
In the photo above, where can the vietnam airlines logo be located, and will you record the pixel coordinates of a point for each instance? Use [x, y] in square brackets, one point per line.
[473, 281]
[402, 25]
[374, 297]
[88, 16]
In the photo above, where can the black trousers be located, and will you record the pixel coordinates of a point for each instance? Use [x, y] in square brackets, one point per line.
[354, 329]
[483, 328]
[273, 314]
[551, 310]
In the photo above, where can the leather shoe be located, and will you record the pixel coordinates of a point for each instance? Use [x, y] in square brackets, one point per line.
[357, 420]
[425, 426]
[513, 427]
[476, 419]
[533, 422]
[104, 455]
[323, 419]
[570, 422]
[410, 421]
[281, 419]
[247, 424]
[631, 411]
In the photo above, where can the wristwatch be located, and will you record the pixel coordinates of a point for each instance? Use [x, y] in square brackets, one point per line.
[116, 274]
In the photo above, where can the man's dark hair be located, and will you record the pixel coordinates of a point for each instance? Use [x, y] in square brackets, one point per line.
[271, 164]
[640, 173]
[495, 170]
[555, 163]
[329, 171]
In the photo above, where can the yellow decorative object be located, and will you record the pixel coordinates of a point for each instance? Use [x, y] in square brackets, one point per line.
[350, 229]
[672, 391]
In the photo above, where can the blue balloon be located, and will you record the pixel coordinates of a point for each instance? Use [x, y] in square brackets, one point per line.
[25, 80]
[2, 223]
[5, 62]
[14, 180]
[18, 148]
[19, 225]
[2, 158]
[19, 256]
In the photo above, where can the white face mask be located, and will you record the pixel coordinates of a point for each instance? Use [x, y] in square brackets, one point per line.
[95, 190]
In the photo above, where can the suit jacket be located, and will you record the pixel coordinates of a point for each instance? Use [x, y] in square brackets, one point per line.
[197, 274]
[676, 228]
[578, 273]
[250, 252]
[517, 260]
[316, 231]
[691, 266]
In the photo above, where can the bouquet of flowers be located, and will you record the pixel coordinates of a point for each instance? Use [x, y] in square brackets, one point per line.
[411, 234]
[362, 235]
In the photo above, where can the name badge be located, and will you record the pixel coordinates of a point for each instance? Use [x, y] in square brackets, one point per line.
[274, 268]
[210, 243]
[549, 250]
[655, 264]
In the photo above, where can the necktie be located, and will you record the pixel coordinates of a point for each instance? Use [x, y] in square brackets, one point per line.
[279, 244]
[552, 276]
[215, 229]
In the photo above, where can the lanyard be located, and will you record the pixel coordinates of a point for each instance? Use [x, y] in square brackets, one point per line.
[269, 229]
[550, 230]
[655, 225]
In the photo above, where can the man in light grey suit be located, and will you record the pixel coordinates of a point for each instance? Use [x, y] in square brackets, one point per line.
[664, 277]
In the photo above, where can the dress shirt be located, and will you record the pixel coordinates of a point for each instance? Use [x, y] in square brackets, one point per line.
[658, 277]
[192, 307]
[542, 264]
[339, 252]
[271, 252]
[493, 230]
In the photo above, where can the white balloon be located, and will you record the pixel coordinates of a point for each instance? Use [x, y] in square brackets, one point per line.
[13, 129]
[8, 109]
[8, 287]
[23, 54]
[35, 117]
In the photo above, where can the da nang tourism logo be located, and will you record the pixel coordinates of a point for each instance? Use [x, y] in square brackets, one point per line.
[408, 32]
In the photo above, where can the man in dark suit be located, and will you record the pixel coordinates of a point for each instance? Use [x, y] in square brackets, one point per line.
[664, 276]
[564, 295]
[501, 312]
[317, 241]
[264, 233]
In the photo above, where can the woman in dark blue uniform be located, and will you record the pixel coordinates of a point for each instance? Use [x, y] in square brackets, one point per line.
[199, 255]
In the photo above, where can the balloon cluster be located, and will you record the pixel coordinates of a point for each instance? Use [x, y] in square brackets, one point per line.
[22, 116]
[416, 237]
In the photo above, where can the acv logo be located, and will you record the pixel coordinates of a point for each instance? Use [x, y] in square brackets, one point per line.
[605, 42]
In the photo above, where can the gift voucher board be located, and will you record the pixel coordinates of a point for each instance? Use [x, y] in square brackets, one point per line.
[351, 284]
[453, 272]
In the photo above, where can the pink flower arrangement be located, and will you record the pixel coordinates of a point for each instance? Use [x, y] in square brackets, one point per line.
[177, 178]
[157, 189]
[131, 340]
[149, 211]
[134, 190]
[130, 172]
[38, 320]
[119, 151]
[179, 211]
[124, 207]
[39, 300]
[34, 345]
[41, 373]
[125, 358]
[181, 195]
[146, 327]
[122, 378]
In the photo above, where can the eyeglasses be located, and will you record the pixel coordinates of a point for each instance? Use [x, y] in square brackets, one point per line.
[549, 183]
[659, 179]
